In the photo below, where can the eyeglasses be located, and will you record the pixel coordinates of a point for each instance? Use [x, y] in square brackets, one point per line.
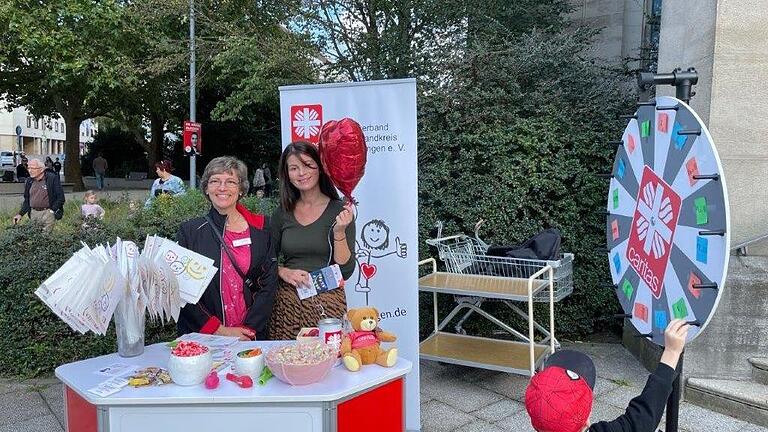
[229, 183]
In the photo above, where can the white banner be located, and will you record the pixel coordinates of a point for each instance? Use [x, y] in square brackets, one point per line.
[387, 219]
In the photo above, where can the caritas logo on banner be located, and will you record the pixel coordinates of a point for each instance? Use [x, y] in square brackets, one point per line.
[306, 121]
[653, 227]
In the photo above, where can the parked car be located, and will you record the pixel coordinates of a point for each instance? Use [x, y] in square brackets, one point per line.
[6, 158]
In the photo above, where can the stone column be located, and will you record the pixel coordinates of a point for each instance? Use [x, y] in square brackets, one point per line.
[727, 42]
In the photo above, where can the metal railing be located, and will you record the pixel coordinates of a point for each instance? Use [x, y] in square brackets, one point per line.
[741, 248]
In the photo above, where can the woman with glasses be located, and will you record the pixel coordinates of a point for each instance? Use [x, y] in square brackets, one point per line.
[238, 301]
[166, 182]
[312, 229]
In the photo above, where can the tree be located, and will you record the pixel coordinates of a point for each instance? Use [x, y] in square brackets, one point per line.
[160, 55]
[517, 138]
[65, 56]
[378, 39]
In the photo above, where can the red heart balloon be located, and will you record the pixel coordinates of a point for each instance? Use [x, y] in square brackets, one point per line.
[343, 153]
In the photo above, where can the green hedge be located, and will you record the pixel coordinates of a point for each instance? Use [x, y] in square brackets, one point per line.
[516, 137]
[34, 340]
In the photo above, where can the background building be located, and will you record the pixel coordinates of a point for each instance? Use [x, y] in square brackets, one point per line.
[629, 29]
[40, 136]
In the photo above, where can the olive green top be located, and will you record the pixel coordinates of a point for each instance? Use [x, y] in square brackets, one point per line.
[308, 247]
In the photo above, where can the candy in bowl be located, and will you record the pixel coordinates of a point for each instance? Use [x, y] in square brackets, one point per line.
[250, 362]
[190, 363]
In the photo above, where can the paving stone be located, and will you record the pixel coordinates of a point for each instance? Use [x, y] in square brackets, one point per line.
[38, 424]
[519, 422]
[620, 396]
[603, 386]
[596, 349]
[622, 368]
[432, 386]
[509, 385]
[20, 406]
[42, 382]
[753, 428]
[463, 395]
[10, 386]
[438, 417]
[604, 412]
[480, 426]
[54, 397]
[476, 375]
[499, 410]
[432, 369]
[698, 419]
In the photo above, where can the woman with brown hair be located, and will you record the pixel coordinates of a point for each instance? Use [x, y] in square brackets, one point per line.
[311, 229]
[166, 182]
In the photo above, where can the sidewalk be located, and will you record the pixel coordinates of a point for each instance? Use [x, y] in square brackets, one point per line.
[453, 398]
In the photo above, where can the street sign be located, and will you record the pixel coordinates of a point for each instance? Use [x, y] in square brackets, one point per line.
[18, 130]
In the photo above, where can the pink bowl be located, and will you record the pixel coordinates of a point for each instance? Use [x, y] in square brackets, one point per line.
[304, 374]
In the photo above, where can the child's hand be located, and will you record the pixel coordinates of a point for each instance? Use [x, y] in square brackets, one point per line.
[674, 342]
[675, 335]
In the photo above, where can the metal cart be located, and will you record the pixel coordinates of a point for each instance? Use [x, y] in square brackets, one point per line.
[474, 277]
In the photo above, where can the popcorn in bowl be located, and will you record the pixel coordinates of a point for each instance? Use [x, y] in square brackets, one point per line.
[301, 363]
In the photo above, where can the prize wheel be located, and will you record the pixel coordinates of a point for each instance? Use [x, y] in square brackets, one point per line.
[668, 220]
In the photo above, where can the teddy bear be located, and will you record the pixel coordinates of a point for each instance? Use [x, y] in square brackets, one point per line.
[363, 345]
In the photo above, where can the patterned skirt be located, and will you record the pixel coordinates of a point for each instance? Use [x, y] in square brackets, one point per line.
[290, 313]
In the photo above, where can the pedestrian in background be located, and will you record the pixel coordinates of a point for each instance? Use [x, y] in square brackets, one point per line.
[43, 196]
[22, 173]
[57, 166]
[258, 181]
[100, 167]
[267, 179]
[49, 164]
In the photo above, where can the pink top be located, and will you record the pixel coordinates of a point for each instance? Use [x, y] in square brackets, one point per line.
[231, 282]
[94, 210]
[362, 339]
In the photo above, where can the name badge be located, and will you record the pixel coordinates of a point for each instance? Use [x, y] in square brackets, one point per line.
[241, 242]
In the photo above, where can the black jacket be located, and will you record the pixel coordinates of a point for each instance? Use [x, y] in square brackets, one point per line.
[644, 412]
[55, 195]
[196, 235]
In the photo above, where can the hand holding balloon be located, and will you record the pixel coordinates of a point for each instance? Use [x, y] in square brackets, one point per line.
[343, 219]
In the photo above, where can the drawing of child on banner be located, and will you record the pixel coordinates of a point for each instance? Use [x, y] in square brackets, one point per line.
[375, 242]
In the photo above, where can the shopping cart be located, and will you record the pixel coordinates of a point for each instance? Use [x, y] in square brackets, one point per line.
[474, 278]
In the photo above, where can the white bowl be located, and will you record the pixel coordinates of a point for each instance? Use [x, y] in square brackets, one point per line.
[251, 366]
[187, 371]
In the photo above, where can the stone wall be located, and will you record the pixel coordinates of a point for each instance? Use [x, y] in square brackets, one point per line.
[726, 42]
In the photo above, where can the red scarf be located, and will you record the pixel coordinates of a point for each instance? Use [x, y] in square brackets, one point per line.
[254, 219]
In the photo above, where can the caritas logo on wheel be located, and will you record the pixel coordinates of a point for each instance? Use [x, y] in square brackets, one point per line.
[653, 227]
[306, 121]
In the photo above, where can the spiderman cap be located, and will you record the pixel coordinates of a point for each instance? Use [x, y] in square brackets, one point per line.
[559, 397]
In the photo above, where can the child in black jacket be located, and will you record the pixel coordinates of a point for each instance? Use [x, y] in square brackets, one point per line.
[559, 398]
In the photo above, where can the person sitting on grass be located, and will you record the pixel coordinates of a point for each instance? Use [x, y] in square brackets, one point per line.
[559, 397]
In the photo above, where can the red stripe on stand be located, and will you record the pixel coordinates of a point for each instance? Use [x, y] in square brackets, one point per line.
[81, 415]
[378, 410]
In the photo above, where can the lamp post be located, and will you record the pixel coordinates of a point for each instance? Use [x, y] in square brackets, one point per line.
[192, 157]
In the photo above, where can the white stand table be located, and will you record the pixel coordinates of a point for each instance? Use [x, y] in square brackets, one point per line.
[337, 403]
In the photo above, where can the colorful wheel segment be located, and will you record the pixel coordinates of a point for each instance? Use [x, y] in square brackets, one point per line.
[668, 222]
